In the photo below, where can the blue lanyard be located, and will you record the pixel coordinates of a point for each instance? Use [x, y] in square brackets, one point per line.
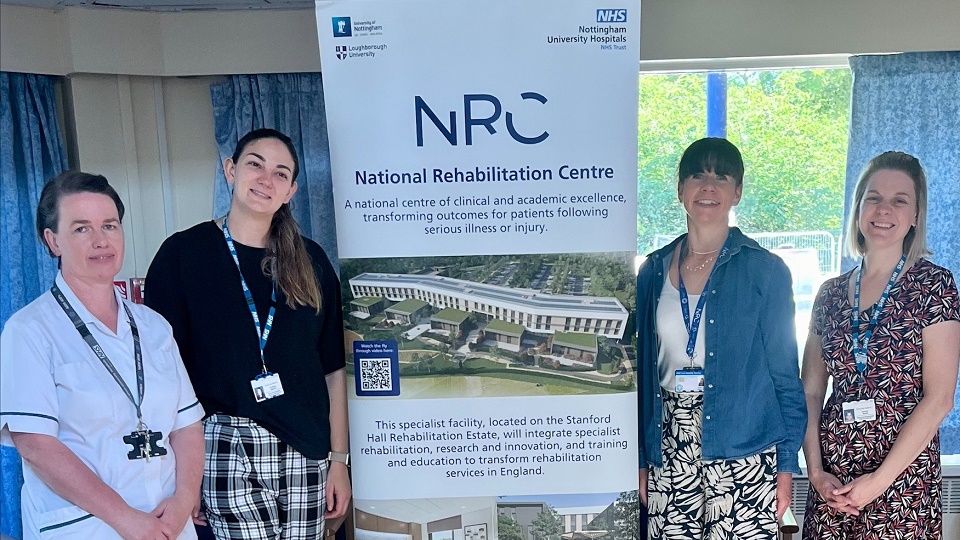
[693, 326]
[860, 347]
[265, 333]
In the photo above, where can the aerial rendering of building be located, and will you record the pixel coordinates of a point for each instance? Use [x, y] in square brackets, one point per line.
[534, 311]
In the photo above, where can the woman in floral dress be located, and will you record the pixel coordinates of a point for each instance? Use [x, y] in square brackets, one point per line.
[888, 333]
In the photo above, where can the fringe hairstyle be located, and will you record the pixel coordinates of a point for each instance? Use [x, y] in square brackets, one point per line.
[915, 243]
[69, 183]
[711, 154]
[286, 260]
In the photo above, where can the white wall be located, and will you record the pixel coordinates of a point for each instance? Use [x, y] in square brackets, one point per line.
[119, 123]
[90, 40]
[125, 66]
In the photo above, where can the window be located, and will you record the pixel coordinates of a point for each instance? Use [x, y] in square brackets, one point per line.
[792, 127]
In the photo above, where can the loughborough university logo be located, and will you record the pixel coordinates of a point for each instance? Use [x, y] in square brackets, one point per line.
[341, 52]
[342, 27]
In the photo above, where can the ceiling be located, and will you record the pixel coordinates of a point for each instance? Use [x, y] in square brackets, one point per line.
[167, 5]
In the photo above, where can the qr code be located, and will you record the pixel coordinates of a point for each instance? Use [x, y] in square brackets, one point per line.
[375, 375]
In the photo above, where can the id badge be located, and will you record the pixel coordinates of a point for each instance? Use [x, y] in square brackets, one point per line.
[689, 380]
[266, 386]
[145, 443]
[864, 410]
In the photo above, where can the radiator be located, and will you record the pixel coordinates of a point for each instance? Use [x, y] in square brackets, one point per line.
[951, 503]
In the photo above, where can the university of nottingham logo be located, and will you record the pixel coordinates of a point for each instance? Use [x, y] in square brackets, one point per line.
[341, 52]
[342, 27]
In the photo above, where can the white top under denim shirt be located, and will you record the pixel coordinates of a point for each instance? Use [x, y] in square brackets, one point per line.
[753, 398]
[673, 336]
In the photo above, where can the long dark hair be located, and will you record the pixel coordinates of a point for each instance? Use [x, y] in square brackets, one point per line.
[286, 260]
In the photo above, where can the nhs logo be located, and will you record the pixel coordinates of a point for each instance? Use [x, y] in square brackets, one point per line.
[611, 15]
[343, 28]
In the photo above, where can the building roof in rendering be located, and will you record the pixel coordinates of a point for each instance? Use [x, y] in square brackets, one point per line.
[579, 340]
[496, 294]
[366, 301]
[451, 316]
[408, 306]
[499, 326]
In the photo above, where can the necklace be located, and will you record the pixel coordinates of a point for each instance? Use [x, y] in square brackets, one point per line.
[703, 252]
[699, 267]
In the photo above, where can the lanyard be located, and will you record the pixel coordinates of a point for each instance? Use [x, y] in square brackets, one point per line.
[693, 326]
[92, 342]
[860, 346]
[265, 333]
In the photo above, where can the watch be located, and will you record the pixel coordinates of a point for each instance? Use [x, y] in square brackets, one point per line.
[338, 456]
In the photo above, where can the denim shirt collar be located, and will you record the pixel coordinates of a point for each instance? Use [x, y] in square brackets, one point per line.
[738, 241]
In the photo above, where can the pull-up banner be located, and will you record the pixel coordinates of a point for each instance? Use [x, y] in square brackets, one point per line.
[484, 159]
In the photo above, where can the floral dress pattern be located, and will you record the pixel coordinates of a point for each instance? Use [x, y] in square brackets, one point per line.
[926, 294]
[695, 499]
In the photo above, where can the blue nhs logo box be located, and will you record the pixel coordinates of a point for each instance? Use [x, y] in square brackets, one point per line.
[611, 15]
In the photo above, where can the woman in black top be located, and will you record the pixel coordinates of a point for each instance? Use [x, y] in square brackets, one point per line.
[255, 309]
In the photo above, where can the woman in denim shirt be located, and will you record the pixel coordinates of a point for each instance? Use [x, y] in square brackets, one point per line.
[721, 403]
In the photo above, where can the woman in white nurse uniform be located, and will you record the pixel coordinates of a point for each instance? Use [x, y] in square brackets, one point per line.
[92, 389]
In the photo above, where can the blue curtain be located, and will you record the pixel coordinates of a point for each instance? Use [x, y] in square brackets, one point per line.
[293, 104]
[31, 152]
[911, 102]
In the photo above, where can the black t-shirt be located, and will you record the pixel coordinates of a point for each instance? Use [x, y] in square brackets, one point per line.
[193, 282]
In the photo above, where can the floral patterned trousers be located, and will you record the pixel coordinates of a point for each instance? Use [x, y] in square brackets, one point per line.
[693, 499]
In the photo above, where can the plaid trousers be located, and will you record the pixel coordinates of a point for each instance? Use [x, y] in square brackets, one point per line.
[257, 487]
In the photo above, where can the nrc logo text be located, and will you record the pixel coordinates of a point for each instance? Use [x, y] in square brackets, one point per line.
[343, 28]
[611, 15]
[471, 120]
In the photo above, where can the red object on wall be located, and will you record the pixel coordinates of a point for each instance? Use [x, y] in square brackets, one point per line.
[121, 287]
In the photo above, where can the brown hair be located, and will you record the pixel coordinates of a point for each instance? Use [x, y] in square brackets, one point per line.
[915, 243]
[69, 183]
[286, 260]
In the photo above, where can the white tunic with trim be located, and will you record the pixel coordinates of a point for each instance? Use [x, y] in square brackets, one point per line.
[52, 383]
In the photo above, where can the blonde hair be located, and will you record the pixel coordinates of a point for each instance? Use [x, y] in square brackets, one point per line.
[915, 243]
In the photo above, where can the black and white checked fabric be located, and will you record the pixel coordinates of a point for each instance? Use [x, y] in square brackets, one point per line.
[257, 487]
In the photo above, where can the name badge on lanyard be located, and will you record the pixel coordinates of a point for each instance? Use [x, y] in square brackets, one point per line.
[145, 443]
[267, 384]
[865, 410]
[691, 379]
